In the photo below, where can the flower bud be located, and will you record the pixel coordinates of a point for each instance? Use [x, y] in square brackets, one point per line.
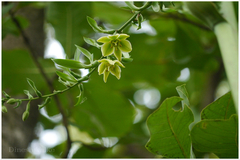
[12, 101]
[25, 115]
[4, 109]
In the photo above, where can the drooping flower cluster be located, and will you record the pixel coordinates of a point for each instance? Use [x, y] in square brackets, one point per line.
[110, 66]
[115, 44]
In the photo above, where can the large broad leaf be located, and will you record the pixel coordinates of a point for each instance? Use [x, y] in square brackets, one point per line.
[69, 22]
[222, 108]
[169, 129]
[217, 132]
[217, 136]
[105, 113]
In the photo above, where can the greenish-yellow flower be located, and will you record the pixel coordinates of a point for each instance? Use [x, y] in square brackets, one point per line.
[109, 66]
[115, 44]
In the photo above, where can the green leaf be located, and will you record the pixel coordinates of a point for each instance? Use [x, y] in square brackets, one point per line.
[222, 108]
[28, 94]
[66, 77]
[32, 84]
[6, 8]
[9, 27]
[105, 113]
[140, 20]
[76, 75]
[155, 6]
[96, 28]
[217, 136]
[94, 25]
[6, 95]
[77, 55]
[169, 129]
[183, 94]
[69, 63]
[18, 104]
[91, 42]
[80, 96]
[90, 151]
[99, 10]
[132, 6]
[69, 23]
[47, 100]
[86, 53]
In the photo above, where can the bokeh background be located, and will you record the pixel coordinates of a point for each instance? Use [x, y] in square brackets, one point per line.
[172, 48]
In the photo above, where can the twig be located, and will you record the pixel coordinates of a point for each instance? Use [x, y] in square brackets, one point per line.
[49, 83]
[182, 18]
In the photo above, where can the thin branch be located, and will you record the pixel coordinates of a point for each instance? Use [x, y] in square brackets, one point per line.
[182, 18]
[49, 83]
[145, 6]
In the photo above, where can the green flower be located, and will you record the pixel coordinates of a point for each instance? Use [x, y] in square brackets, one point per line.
[108, 66]
[115, 44]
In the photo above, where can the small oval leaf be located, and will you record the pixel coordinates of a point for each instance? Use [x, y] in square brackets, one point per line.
[47, 100]
[28, 94]
[96, 28]
[69, 63]
[132, 6]
[155, 6]
[32, 84]
[85, 52]
[66, 77]
[91, 42]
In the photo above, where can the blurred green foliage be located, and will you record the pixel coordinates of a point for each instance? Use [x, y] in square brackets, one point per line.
[161, 50]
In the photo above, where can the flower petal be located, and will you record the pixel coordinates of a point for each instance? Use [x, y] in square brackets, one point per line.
[123, 36]
[125, 46]
[116, 71]
[117, 53]
[102, 67]
[113, 37]
[119, 63]
[105, 75]
[104, 39]
[107, 49]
